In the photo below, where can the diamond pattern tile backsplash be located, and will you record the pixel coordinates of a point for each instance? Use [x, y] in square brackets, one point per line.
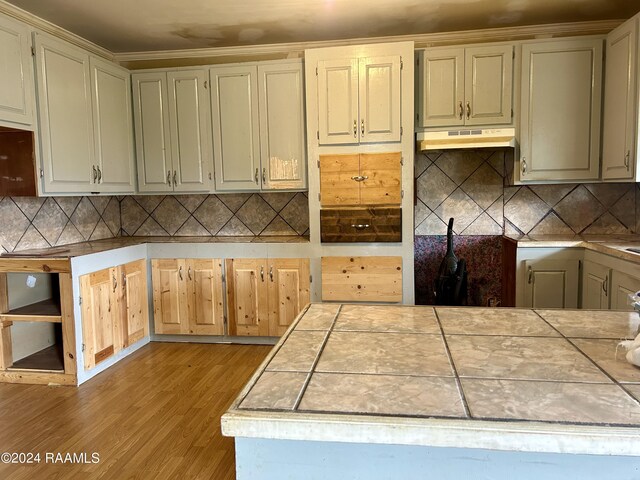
[43, 222]
[469, 185]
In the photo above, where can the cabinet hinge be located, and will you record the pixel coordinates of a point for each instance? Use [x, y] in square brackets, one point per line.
[310, 278]
[418, 116]
[402, 161]
[401, 130]
[224, 320]
[41, 173]
[401, 193]
[318, 163]
[512, 113]
[318, 197]
[318, 134]
[33, 51]
[79, 300]
[210, 176]
[316, 71]
[83, 347]
[223, 278]
[401, 64]
[513, 54]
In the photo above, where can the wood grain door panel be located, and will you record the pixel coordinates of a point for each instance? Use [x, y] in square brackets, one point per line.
[206, 315]
[170, 309]
[288, 292]
[382, 184]
[135, 311]
[247, 297]
[337, 186]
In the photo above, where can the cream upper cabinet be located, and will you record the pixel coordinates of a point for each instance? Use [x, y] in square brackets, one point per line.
[112, 127]
[622, 285]
[258, 126]
[560, 110]
[16, 80]
[359, 100]
[236, 128]
[282, 139]
[465, 86]
[173, 134]
[620, 103]
[596, 280]
[66, 117]
[551, 284]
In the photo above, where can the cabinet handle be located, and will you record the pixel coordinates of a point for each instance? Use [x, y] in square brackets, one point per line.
[604, 285]
[206, 84]
[264, 176]
[124, 280]
[359, 178]
[524, 165]
[362, 127]
[460, 110]
[468, 110]
[95, 173]
[355, 129]
[99, 175]
[271, 272]
[626, 160]
[530, 279]
[180, 272]
[175, 175]
[115, 282]
[261, 273]
[189, 273]
[360, 226]
[256, 176]
[169, 177]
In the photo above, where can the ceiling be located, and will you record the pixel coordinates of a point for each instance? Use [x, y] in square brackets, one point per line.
[149, 25]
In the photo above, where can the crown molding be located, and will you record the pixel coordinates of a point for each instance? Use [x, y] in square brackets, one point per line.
[52, 29]
[420, 41]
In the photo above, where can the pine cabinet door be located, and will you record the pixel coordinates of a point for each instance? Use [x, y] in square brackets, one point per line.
[135, 305]
[153, 145]
[560, 110]
[16, 81]
[247, 297]
[100, 316]
[551, 284]
[620, 106]
[379, 99]
[595, 286]
[338, 101]
[623, 285]
[66, 117]
[339, 180]
[488, 85]
[170, 296]
[282, 141]
[288, 292]
[112, 127]
[206, 308]
[190, 120]
[382, 173]
[236, 142]
[440, 88]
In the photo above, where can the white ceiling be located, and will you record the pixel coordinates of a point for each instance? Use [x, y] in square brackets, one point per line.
[147, 25]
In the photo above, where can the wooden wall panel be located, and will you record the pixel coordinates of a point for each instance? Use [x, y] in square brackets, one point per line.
[367, 279]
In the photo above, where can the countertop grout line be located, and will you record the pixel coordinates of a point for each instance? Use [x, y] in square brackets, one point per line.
[305, 385]
[593, 362]
[465, 404]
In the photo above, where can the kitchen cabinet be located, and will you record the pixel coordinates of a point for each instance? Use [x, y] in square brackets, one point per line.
[465, 86]
[85, 128]
[362, 279]
[623, 285]
[551, 283]
[620, 129]
[258, 126]
[16, 81]
[188, 296]
[114, 310]
[596, 285]
[173, 131]
[359, 100]
[560, 110]
[361, 179]
[265, 295]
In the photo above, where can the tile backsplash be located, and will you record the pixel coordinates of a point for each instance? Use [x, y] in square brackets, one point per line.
[29, 222]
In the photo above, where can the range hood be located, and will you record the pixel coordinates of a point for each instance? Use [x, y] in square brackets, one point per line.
[468, 138]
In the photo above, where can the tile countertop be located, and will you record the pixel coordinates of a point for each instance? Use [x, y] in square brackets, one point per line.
[504, 379]
[87, 248]
[614, 245]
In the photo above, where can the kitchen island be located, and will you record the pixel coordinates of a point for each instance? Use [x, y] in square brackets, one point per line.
[354, 391]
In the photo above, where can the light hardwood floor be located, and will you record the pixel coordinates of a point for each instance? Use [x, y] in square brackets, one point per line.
[156, 414]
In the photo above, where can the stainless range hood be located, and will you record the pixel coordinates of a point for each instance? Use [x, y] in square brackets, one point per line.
[468, 138]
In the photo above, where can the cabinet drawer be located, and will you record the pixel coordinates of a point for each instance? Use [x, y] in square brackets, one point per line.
[366, 279]
[361, 225]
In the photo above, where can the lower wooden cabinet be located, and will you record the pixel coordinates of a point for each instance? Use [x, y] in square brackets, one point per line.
[362, 279]
[188, 296]
[114, 310]
[265, 295]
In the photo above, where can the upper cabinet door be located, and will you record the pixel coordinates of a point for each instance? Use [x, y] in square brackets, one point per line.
[189, 113]
[560, 110]
[488, 85]
[66, 118]
[620, 104]
[282, 140]
[153, 147]
[440, 87]
[112, 127]
[379, 99]
[338, 102]
[16, 80]
[236, 142]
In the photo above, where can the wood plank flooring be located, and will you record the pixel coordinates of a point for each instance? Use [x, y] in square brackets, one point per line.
[156, 414]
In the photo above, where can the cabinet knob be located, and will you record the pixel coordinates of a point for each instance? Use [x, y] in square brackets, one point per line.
[189, 273]
[604, 285]
[355, 129]
[264, 176]
[523, 163]
[468, 110]
[99, 175]
[271, 273]
[180, 272]
[460, 110]
[360, 226]
[115, 282]
[530, 275]
[256, 176]
[362, 127]
[95, 173]
[169, 177]
[261, 273]
[626, 159]
[359, 178]
[175, 175]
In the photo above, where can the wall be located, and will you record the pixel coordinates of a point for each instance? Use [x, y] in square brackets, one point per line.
[471, 186]
[43, 222]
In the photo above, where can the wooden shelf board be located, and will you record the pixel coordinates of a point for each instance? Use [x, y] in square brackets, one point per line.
[44, 311]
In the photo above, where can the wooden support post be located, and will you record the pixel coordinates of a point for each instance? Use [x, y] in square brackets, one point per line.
[68, 324]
